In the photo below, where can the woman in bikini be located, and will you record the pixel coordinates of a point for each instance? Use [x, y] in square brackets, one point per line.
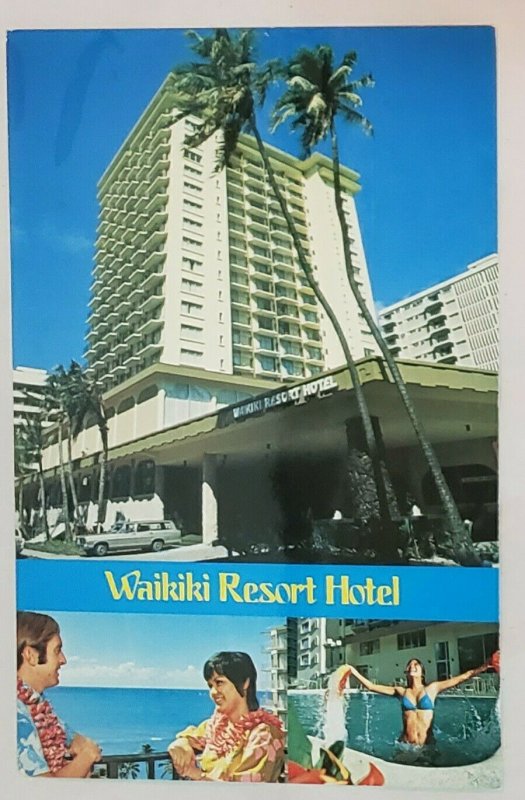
[417, 698]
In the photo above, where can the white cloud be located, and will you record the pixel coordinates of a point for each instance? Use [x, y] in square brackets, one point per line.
[89, 672]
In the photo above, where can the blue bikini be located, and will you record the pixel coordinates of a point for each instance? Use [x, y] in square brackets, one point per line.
[424, 703]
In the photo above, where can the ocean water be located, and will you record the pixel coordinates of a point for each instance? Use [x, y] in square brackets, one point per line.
[466, 729]
[122, 720]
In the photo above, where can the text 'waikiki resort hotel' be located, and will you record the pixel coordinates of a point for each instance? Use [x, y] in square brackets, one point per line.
[229, 410]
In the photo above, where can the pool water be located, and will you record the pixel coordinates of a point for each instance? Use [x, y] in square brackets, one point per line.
[466, 729]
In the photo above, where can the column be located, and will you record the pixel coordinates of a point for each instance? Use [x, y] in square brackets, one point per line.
[210, 517]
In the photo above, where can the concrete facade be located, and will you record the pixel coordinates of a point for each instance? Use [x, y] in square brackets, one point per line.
[197, 268]
[453, 322]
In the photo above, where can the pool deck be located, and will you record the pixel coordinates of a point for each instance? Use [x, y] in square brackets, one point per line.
[485, 775]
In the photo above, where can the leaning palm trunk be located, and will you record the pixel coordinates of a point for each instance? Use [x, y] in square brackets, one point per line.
[465, 552]
[385, 494]
[21, 518]
[43, 504]
[63, 488]
[101, 510]
[72, 487]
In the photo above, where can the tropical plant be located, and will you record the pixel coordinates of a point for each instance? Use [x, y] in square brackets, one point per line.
[62, 389]
[87, 404]
[56, 413]
[29, 445]
[223, 91]
[319, 93]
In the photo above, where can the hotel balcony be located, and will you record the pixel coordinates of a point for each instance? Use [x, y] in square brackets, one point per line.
[255, 186]
[257, 292]
[158, 201]
[122, 328]
[138, 257]
[294, 356]
[155, 240]
[136, 295]
[151, 325]
[241, 324]
[310, 323]
[433, 307]
[120, 347]
[151, 301]
[153, 280]
[131, 360]
[153, 260]
[112, 317]
[257, 227]
[149, 349]
[288, 314]
[134, 318]
[436, 322]
[156, 221]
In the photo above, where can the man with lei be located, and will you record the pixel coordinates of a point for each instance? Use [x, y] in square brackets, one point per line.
[46, 746]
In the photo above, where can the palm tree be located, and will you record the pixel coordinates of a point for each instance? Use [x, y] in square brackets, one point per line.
[317, 94]
[87, 404]
[57, 414]
[29, 445]
[223, 90]
[62, 390]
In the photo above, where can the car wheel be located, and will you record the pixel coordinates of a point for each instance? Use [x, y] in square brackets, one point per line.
[157, 545]
[100, 549]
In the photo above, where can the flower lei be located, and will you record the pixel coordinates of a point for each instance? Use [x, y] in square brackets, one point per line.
[223, 735]
[50, 731]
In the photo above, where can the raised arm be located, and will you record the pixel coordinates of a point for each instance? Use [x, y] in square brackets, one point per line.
[345, 671]
[441, 686]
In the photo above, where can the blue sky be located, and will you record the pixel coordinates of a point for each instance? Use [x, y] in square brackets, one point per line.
[155, 651]
[428, 203]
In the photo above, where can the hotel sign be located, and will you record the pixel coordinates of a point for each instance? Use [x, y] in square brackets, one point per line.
[295, 395]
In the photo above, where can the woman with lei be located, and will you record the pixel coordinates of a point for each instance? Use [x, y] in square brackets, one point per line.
[240, 742]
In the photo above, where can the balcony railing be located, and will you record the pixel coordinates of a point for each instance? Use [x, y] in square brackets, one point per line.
[143, 766]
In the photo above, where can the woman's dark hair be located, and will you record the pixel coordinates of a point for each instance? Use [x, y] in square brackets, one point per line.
[237, 667]
[423, 675]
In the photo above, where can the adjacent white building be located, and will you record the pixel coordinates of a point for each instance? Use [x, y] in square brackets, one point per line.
[196, 268]
[453, 322]
[28, 390]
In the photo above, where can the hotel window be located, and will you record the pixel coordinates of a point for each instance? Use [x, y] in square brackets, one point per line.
[191, 332]
[191, 309]
[294, 368]
[192, 264]
[121, 482]
[191, 170]
[405, 641]
[193, 287]
[266, 343]
[368, 648]
[193, 156]
[190, 204]
[241, 337]
[476, 650]
[191, 223]
[191, 353]
[191, 242]
[192, 186]
[242, 359]
[266, 323]
[267, 363]
[145, 477]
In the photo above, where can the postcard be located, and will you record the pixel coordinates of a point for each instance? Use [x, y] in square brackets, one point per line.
[255, 300]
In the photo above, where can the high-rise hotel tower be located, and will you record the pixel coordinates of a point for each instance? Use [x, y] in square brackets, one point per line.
[197, 268]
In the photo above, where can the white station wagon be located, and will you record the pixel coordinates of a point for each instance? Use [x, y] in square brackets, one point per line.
[144, 535]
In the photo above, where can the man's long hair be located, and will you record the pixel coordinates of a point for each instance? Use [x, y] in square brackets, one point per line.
[237, 667]
[34, 630]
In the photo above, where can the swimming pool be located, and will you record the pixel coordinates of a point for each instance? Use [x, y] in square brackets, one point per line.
[466, 729]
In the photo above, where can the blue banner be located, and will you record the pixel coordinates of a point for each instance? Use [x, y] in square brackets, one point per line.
[296, 590]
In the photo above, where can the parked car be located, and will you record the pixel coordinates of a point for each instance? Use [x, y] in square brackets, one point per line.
[143, 535]
[19, 542]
